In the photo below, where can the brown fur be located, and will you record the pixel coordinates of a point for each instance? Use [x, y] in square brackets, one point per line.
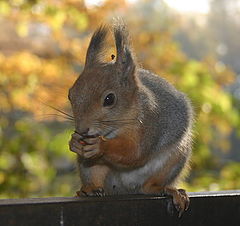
[98, 175]
[123, 151]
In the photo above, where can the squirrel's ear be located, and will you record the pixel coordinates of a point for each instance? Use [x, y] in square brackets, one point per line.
[125, 62]
[96, 47]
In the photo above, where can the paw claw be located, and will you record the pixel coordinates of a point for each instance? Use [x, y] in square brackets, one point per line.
[91, 191]
[170, 207]
[78, 194]
[177, 207]
[187, 205]
[180, 213]
[100, 192]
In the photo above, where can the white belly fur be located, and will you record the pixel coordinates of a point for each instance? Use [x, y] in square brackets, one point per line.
[137, 177]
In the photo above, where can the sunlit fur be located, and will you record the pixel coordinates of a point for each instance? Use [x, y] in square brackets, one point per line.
[149, 112]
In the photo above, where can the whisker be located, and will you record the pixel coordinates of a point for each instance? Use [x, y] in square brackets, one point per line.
[60, 111]
[62, 116]
[118, 121]
[66, 121]
[50, 115]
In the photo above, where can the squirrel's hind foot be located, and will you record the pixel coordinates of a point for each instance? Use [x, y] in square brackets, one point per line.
[90, 190]
[179, 202]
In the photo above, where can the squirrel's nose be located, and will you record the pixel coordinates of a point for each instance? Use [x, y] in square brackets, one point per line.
[83, 131]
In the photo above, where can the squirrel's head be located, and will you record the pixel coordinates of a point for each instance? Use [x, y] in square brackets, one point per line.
[103, 98]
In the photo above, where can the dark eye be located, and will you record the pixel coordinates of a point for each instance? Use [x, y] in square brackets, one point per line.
[109, 100]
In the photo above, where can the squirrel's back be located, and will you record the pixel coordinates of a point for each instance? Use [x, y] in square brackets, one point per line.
[172, 114]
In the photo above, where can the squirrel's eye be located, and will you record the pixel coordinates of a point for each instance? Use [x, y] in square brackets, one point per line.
[109, 100]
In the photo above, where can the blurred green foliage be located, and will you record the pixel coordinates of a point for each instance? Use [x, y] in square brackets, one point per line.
[34, 156]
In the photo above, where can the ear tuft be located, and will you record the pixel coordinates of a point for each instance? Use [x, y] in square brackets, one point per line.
[125, 61]
[96, 46]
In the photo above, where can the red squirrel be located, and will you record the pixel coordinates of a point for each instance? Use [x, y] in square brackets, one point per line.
[133, 130]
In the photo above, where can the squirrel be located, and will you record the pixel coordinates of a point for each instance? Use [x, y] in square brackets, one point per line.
[133, 129]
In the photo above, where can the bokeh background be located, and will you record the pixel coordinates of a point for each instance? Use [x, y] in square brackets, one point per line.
[193, 44]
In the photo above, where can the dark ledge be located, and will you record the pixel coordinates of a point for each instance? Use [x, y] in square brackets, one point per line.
[206, 208]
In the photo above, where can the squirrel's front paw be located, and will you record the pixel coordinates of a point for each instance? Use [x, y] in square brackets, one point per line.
[76, 144]
[86, 147]
[91, 148]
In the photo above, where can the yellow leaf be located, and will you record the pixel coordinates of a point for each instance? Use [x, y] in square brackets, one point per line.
[22, 29]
